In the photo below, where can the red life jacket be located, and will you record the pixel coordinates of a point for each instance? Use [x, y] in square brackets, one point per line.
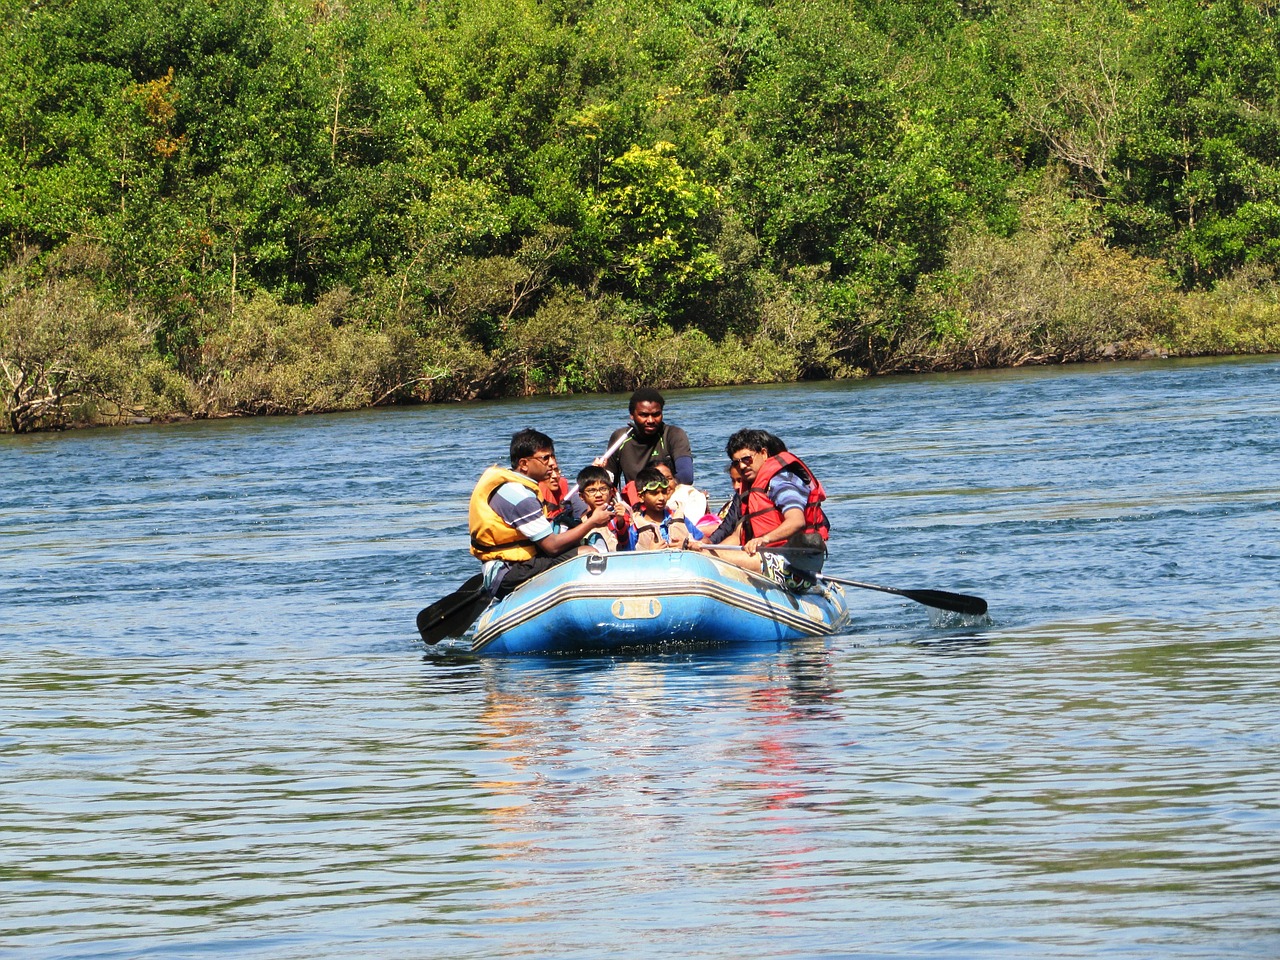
[552, 496]
[760, 515]
[630, 495]
[553, 493]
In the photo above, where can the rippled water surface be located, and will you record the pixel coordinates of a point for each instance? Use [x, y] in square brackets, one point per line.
[221, 736]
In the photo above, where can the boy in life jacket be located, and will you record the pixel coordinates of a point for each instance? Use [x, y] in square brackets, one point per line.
[782, 507]
[596, 490]
[685, 501]
[653, 527]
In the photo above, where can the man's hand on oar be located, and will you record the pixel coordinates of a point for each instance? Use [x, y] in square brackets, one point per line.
[451, 615]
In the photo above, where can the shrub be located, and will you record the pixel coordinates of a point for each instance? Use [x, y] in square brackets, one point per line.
[69, 356]
[269, 357]
[1240, 315]
[1041, 298]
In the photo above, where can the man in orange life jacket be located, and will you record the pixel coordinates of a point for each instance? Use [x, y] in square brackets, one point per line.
[510, 533]
[782, 507]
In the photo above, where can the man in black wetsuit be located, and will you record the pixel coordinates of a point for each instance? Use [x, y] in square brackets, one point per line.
[651, 441]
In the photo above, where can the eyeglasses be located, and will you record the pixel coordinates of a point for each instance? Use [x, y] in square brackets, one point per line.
[544, 457]
[741, 462]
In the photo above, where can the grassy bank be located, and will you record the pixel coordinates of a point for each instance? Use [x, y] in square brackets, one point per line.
[73, 355]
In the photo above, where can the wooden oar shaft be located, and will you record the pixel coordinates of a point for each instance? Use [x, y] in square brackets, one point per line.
[942, 599]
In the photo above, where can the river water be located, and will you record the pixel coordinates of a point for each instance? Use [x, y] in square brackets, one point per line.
[221, 735]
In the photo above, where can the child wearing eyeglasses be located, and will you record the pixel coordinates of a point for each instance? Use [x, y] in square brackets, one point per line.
[596, 490]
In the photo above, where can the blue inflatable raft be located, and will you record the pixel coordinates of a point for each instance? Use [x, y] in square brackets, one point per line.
[658, 598]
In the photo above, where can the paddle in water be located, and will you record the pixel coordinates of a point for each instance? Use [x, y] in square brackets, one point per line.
[451, 615]
[941, 599]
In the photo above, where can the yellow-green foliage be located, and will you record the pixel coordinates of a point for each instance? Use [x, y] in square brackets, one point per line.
[1240, 315]
[574, 344]
[67, 357]
[269, 357]
[1037, 297]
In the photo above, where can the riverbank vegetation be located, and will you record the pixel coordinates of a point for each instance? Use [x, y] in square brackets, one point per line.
[264, 206]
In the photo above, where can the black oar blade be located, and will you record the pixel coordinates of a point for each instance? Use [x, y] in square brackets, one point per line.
[450, 616]
[955, 602]
[942, 599]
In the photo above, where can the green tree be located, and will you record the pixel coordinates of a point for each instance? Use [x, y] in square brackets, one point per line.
[1203, 161]
[651, 213]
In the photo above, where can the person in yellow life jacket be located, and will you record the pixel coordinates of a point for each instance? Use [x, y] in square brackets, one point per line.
[510, 532]
[782, 507]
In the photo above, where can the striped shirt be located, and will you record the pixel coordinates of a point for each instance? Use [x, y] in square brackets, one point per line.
[518, 506]
[788, 492]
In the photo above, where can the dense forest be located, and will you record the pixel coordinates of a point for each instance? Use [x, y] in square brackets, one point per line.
[212, 207]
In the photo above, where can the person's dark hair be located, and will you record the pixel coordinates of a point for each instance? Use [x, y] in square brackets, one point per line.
[754, 440]
[645, 395]
[593, 474]
[649, 475]
[527, 442]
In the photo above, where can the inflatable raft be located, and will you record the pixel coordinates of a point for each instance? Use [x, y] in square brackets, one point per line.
[641, 600]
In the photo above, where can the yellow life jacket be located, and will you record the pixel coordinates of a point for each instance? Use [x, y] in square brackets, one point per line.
[492, 538]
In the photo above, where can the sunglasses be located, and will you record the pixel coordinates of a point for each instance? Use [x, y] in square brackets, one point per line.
[544, 457]
[741, 462]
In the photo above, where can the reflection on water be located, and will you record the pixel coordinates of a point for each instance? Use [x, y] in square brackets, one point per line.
[221, 735]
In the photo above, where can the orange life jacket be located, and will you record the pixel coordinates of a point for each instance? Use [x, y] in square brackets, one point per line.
[492, 538]
[552, 494]
[760, 515]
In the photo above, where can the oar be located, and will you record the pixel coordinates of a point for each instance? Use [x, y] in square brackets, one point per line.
[942, 599]
[450, 616]
[613, 448]
[955, 602]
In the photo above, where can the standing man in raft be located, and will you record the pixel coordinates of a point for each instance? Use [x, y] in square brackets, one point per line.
[652, 440]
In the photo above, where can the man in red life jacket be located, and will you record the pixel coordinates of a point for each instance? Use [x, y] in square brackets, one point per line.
[782, 507]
